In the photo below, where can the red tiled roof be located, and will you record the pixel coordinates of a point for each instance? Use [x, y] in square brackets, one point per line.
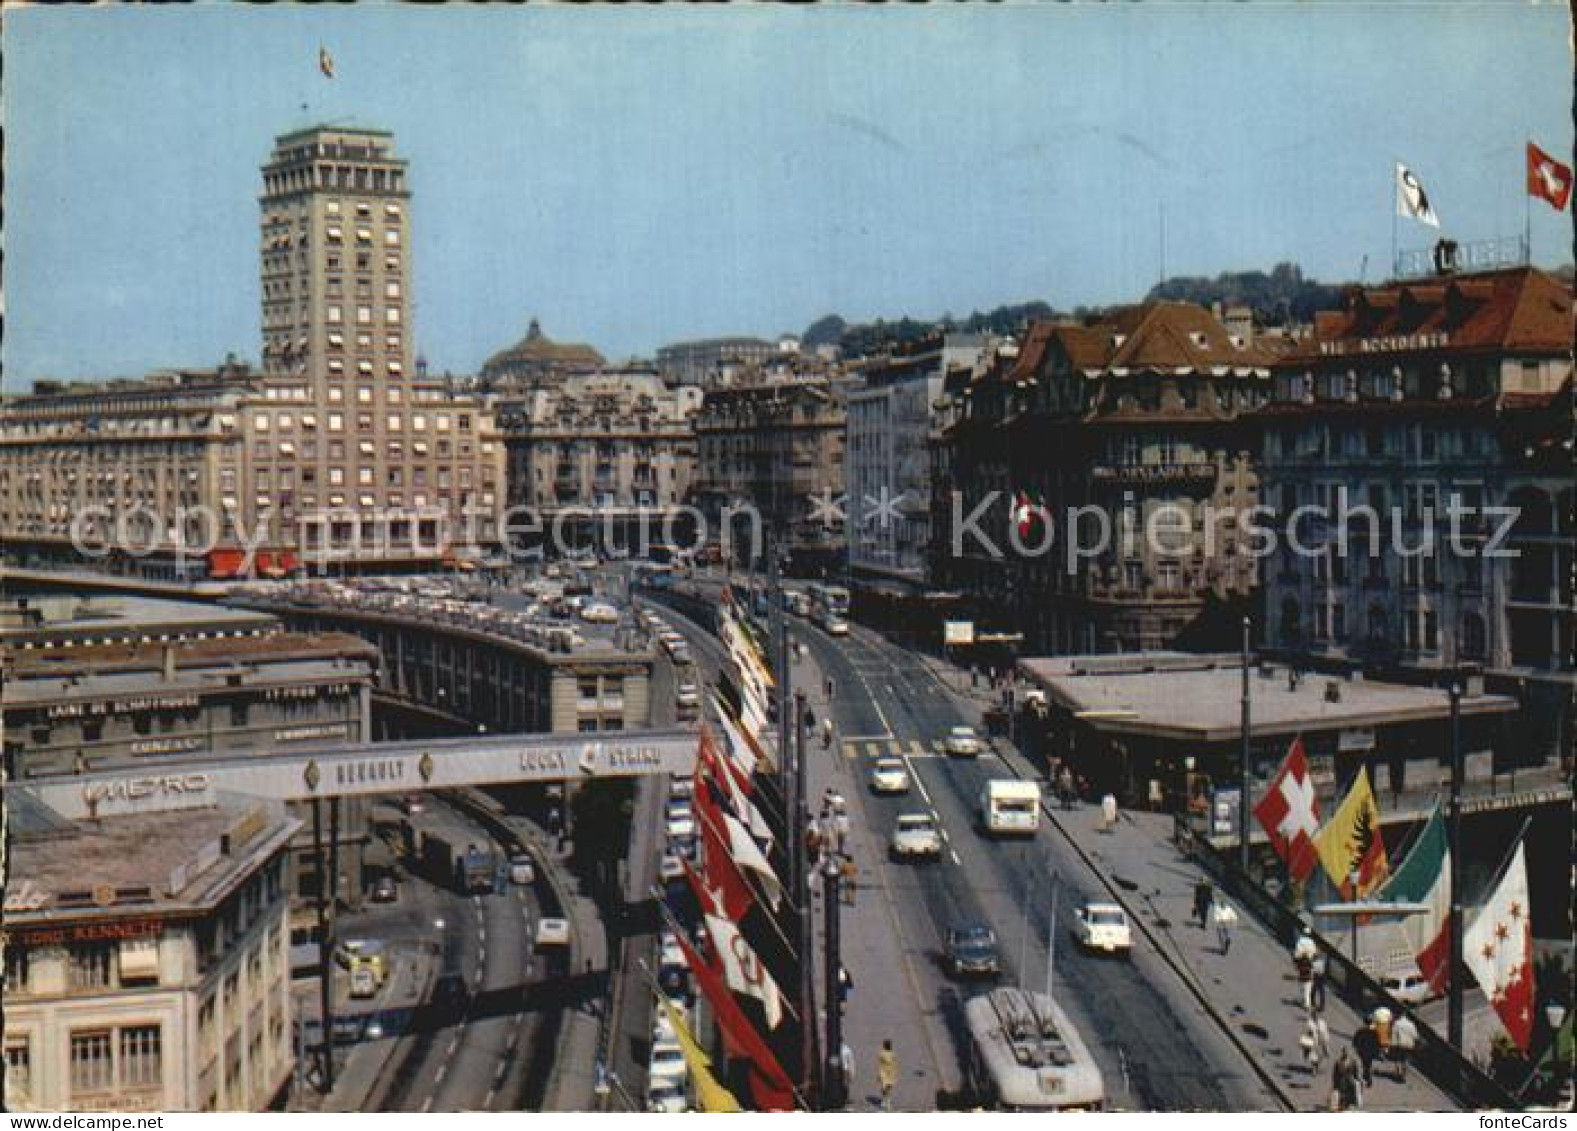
[1166, 336]
[1519, 308]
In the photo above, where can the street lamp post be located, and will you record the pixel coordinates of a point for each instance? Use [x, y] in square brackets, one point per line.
[833, 1085]
[1244, 759]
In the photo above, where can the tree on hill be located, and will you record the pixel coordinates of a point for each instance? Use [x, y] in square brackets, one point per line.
[1281, 296]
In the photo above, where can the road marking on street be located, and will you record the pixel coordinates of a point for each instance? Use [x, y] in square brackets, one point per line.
[443, 1070]
[917, 748]
[487, 1100]
[481, 956]
[873, 750]
[953, 852]
[454, 1043]
[851, 751]
[427, 1105]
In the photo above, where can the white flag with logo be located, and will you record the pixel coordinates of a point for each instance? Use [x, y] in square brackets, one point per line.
[747, 855]
[1411, 199]
[743, 968]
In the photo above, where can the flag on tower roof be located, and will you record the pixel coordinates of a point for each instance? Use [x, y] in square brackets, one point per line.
[1548, 179]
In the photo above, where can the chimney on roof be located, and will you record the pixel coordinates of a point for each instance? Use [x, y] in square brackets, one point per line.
[1239, 321]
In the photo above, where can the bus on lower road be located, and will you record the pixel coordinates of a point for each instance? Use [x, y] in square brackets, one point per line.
[1025, 1055]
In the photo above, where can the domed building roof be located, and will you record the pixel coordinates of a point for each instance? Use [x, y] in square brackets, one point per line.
[537, 359]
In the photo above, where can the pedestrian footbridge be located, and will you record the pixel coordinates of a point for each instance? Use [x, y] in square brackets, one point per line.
[363, 770]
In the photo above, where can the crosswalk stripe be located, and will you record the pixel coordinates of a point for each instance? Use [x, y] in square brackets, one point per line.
[938, 745]
[917, 748]
[850, 750]
[873, 749]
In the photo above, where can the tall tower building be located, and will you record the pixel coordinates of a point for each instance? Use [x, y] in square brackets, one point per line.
[336, 260]
[352, 451]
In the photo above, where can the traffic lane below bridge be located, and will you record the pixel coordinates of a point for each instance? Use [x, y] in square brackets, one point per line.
[1155, 1044]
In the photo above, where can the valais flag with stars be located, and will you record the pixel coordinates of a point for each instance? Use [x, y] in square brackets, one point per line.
[1290, 814]
[1498, 948]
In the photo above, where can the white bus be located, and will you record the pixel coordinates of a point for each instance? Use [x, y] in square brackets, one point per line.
[829, 608]
[1010, 806]
[1025, 1055]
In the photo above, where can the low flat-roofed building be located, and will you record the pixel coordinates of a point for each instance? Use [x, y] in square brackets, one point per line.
[1123, 722]
[147, 961]
[65, 620]
[138, 683]
[87, 707]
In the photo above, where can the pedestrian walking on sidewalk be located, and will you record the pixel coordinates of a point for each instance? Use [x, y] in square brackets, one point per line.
[1225, 917]
[1404, 1039]
[1317, 985]
[1065, 787]
[850, 875]
[1345, 1089]
[1366, 1044]
[1108, 812]
[1315, 1041]
[1303, 955]
[887, 1073]
[1204, 899]
[846, 1062]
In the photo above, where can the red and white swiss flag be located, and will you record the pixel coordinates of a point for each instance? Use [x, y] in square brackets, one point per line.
[1498, 948]
[1548, 179]
[1290, 814]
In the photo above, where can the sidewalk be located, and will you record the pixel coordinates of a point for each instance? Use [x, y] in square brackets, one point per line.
[1253, 988]
[878, 949]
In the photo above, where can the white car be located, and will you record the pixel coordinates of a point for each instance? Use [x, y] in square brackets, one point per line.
[671, 954]
[600, 614]
[521, 870]
[889, 775]
[681, 789]
[1409, 989]
[680, 820]
[553, 932]
[671, 869]
[916, 837]
[837, 626]
[961, 742]
[1103, 926]
[667, 1063]
[687, 695]
[666, 1096]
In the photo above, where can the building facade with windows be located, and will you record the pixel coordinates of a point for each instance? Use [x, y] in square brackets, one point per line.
[595, 457]
[352, 451]
[130, 683]
[892, 429]
[1133, 427]
[342, 450]
[1417, 398]
[135, 470]
[712, 362]
[147, 961]
[776, 447]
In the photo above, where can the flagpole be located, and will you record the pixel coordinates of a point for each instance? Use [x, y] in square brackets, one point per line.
[1395, 209]
[1455, 971]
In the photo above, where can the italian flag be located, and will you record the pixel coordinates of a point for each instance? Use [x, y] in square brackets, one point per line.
[1424, 876]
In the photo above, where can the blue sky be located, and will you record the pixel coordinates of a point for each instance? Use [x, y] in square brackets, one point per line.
[635, 176]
